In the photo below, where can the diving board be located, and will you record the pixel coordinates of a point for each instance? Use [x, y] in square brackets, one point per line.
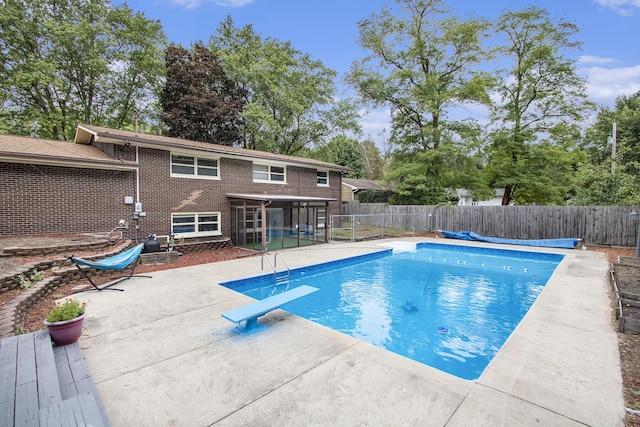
[251, 312]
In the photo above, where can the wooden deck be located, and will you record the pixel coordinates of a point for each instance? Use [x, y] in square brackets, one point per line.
[42, 385]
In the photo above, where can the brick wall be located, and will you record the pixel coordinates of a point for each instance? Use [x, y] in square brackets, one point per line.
[161, 195]
[58, 200]
[39, 199]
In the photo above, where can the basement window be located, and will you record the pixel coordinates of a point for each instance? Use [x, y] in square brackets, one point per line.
[196, 224]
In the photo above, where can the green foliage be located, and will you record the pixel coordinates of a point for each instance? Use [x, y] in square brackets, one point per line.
[34, 276]
[421, 61]
[290, 98]
[74, 61]
[542, 99]
[375, 196]
[596, 184]
[70, 309]
[344, 151]
[416, 181]
[199, 102]
[598, 187]
[25, 282]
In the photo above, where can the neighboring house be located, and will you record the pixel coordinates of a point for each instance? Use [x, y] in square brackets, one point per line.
[467, 200]
[351, 187]
[164, 186]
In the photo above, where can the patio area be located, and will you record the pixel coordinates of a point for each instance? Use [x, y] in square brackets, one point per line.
[161, 354]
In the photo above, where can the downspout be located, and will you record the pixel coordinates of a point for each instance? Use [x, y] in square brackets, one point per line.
[263, 208]
[137, 177]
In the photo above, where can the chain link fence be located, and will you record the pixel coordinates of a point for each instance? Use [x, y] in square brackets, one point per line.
[378, 226]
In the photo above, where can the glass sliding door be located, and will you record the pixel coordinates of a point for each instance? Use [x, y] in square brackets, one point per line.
[287, 224]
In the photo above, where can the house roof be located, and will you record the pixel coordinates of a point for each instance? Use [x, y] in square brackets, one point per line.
[85, 134]
[20, 149]
[361, 184]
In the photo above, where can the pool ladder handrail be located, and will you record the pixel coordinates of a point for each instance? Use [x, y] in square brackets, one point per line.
[274, 265]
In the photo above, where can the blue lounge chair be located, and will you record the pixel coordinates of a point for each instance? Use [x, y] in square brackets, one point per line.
[117, 262]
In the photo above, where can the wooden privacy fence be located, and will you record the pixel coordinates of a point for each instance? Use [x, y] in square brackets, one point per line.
[595, 225]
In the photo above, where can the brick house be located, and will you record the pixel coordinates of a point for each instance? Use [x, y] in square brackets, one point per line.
[162, 185]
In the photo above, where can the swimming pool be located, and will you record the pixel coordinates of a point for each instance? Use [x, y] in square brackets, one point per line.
[447, 306]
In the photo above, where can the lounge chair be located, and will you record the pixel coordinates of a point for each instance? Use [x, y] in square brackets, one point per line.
[117, 262]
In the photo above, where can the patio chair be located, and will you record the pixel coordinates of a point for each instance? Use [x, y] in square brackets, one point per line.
[117, 262]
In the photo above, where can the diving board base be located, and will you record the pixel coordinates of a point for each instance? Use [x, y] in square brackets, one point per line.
[249, 327]
[250, 312]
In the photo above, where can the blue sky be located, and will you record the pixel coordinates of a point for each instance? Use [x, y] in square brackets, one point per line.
[327, 30]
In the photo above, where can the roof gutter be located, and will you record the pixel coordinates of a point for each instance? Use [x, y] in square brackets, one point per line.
[65, 162]
[93, 136]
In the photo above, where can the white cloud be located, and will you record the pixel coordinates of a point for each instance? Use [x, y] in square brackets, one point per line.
[623, 7]
[187, 4]
[604, 85]
[588, 59]
[233, 3]
[192, 4]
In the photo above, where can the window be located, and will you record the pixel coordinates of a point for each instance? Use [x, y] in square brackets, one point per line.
[321, 217]
[323, 178]
[268, 173]
[196, 224]
[188, 166]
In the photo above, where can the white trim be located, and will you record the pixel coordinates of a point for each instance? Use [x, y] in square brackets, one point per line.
[188, 234]
[269, 165]
[195, 166]
[327, 178]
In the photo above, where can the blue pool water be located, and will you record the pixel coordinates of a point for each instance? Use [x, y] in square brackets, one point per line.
[450, 307]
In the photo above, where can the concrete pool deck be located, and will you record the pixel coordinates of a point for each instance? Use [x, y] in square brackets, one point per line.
[161, 354]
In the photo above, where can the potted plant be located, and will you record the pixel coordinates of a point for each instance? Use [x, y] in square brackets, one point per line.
[65, 321]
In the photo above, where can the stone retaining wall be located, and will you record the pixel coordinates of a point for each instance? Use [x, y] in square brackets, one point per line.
[11, 280]
[191, 247]
[92, 245]
[13, 313]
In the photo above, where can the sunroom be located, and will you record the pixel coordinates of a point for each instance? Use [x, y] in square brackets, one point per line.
[269, 222]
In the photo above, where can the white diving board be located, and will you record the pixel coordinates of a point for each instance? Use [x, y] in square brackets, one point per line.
[251, 312]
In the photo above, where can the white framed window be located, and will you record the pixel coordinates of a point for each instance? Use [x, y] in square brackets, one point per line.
[323, 178]
[196, 224]
[194, 167]
[269, 173]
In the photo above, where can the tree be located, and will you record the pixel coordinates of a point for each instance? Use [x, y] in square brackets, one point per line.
[290, 98]
[542, 99]
[70, 61]
[199, 102]
[421, 63]
[599, 183]
[343, 151]
[373, 161]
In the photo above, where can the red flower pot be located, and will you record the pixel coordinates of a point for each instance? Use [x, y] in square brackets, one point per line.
[67, 331]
